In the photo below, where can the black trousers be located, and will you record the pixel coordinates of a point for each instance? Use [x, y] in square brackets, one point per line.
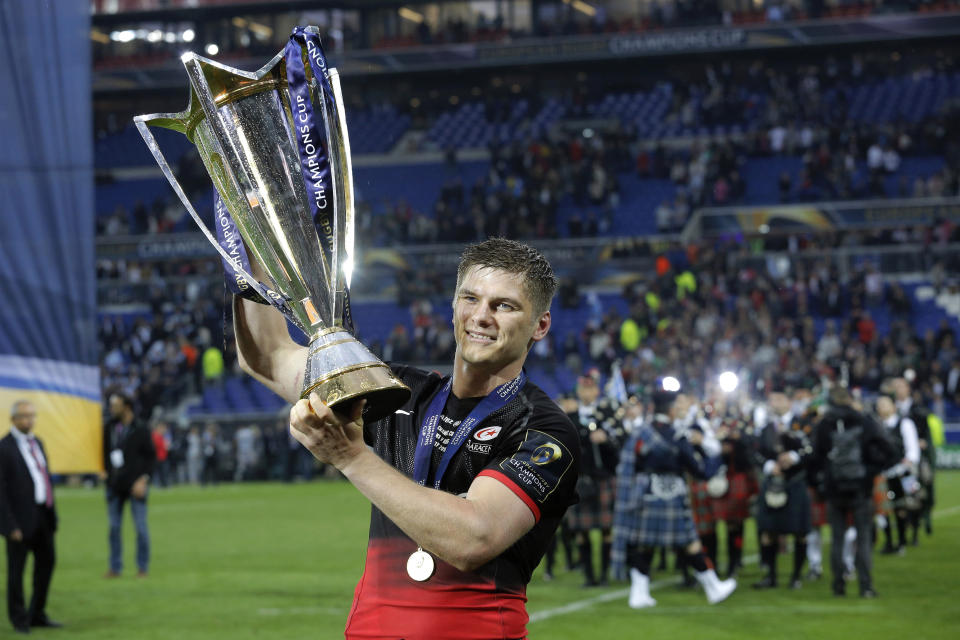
[861, 509]
[40, 544]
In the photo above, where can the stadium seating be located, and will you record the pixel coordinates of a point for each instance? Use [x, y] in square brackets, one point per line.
[237, 395]
[376, 130]
[127, 149]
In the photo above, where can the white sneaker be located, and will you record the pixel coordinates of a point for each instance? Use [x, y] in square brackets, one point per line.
[640, 591]
[717, 590]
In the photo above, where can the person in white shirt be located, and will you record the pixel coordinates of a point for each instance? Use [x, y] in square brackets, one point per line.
[910, 406]
[901, 478]
[28, 518]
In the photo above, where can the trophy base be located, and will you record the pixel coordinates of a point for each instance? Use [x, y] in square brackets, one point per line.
[340, 369]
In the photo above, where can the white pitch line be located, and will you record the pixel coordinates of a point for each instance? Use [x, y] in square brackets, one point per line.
[949, 511]
[282, 611]
[579, 605]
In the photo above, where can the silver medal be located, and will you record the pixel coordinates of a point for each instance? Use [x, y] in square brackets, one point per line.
[420, 565]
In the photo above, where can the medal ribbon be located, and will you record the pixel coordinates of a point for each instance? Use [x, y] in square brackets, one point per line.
[496, 399]
[312, 141]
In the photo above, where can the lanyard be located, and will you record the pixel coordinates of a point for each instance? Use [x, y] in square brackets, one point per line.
[496, 399]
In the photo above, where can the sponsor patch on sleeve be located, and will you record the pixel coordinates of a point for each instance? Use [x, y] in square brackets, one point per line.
[539, 464]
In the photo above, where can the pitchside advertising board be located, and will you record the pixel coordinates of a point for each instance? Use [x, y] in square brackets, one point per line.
[948, 457]
[825, 216]
[68, 415]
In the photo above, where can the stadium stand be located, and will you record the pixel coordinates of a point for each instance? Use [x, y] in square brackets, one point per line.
[604, 157]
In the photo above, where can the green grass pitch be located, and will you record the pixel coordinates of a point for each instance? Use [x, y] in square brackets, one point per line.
[281, 561]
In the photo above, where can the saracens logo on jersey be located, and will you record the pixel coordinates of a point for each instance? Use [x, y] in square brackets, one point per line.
[487, 433]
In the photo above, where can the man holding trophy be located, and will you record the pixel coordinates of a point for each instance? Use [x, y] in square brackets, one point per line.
[469, 474]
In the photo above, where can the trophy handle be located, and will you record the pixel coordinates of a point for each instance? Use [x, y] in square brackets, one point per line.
[344, 226]
[272, 296]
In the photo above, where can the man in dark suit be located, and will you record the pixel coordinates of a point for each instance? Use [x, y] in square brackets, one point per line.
[128, 457]
[28, 518]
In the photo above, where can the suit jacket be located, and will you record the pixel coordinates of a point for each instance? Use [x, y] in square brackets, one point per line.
[17, 493]
[139, 455]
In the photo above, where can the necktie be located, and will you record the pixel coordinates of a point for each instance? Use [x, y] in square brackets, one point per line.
[35, 450]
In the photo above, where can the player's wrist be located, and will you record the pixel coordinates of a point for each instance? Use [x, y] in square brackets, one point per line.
[353, 462]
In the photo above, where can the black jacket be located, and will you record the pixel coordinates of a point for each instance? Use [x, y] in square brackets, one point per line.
[600, 460]
[139, 455]
[877, 450]
[772, 442]
[17, 504]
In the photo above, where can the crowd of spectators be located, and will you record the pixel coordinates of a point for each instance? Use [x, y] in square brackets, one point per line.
[181, 345]
[209, 453]
[703, 309]
[519, 195]
[791, 111]
[705, 312]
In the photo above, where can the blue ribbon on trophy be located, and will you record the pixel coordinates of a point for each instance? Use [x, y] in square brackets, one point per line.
[312, 142]
[229, 238]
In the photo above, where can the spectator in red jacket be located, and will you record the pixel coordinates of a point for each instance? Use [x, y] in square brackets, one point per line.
[161, 444]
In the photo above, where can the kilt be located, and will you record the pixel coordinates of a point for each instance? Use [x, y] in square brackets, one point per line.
[899, 498]
[818, 511]
[735, 506]
[595, 509]
[704, 507]
[791, 518]
[881, 503]
[661, 521]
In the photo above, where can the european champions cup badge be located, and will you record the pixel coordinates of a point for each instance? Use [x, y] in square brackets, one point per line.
[275, 145]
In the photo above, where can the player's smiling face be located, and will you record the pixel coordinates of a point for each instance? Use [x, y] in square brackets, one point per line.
[494, 319]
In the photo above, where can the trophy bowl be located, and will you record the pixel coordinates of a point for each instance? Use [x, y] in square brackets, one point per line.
[274, 143]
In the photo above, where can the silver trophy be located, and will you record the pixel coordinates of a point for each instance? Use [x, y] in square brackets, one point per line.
[245, 129]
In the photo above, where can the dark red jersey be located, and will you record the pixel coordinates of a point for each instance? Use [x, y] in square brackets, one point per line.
[531, 447]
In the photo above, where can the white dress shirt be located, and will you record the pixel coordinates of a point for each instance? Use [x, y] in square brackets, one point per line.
[25, 442]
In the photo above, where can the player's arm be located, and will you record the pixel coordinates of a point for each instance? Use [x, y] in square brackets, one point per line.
[466, 533]
[265, 349]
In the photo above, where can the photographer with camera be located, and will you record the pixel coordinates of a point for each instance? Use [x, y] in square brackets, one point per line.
[849, 450]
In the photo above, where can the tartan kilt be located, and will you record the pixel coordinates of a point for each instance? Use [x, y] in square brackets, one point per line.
[881, 502]
[735, 506]
[704, 507]
[662, 522]
[595, 509]
[818, 511]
